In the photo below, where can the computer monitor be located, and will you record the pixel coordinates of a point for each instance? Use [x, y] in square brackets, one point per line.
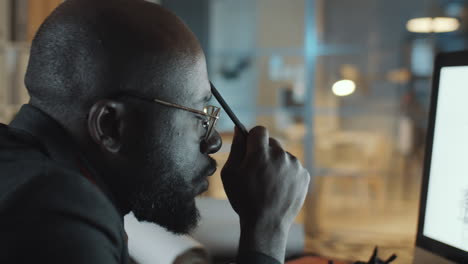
[442, 235]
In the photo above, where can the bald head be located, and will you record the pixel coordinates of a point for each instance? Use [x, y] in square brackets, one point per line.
[87, 50]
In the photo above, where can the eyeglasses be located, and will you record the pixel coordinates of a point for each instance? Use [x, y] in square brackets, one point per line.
[210, 113]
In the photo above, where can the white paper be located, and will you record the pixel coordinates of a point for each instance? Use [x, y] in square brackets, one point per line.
[151, 244]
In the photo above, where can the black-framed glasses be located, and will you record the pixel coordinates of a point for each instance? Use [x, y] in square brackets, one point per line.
[210, 113]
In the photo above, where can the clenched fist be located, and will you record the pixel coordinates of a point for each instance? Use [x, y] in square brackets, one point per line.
[266, 186]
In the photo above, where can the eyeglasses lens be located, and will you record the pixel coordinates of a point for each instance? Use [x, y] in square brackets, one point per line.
[213, 113]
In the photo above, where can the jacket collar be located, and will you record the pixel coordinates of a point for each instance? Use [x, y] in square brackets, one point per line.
[52, 136]
[57, 143]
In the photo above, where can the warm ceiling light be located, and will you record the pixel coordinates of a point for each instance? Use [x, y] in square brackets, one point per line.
[445, 24]
[420, 25]
[344, 87]
[430, 25]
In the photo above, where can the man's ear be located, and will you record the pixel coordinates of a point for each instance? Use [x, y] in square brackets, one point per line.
[105, 124]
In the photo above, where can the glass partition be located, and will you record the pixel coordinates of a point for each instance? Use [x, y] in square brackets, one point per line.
[345, 86]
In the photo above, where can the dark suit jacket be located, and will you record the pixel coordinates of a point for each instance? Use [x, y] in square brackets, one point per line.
[49, 211]
[53, 207]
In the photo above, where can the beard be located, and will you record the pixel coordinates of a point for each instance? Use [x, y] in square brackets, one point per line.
[167, 175]
[168, 204]
[169, 200]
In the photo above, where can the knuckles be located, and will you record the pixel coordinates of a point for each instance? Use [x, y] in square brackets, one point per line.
[278, 155]
[293, 158]
[268, 159]
[306, 176]
[258, 131]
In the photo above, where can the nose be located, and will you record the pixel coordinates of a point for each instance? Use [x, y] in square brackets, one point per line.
[212, 144]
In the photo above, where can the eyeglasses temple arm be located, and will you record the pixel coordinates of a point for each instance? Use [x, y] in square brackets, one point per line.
[228, 110]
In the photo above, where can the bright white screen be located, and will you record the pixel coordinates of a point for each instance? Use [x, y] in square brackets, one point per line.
[446, 218]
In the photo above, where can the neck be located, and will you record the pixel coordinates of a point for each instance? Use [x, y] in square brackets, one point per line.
[112, 177]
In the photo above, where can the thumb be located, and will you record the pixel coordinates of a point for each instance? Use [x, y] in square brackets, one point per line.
[237, 149]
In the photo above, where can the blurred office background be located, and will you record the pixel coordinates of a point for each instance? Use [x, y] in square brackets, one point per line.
[344, 85]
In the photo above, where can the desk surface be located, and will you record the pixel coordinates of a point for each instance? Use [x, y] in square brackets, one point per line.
[344, 222]
[336, 250]
[353, 236]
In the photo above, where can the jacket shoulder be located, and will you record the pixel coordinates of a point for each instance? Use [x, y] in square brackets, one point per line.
[33, 184]
[15, 144]
[55, 208]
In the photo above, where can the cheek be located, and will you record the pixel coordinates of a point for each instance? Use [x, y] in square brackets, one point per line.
[171, 144]
[186, 125]
[185, 152]
[140, 144]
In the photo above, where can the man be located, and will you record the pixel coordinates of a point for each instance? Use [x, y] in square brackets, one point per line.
[114, 126]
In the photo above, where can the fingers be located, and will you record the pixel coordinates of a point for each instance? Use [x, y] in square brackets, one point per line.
[237, 148]
[276, 152]
[274, 143]
[257, 141]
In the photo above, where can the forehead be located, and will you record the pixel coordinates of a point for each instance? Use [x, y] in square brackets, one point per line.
[186, 81]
